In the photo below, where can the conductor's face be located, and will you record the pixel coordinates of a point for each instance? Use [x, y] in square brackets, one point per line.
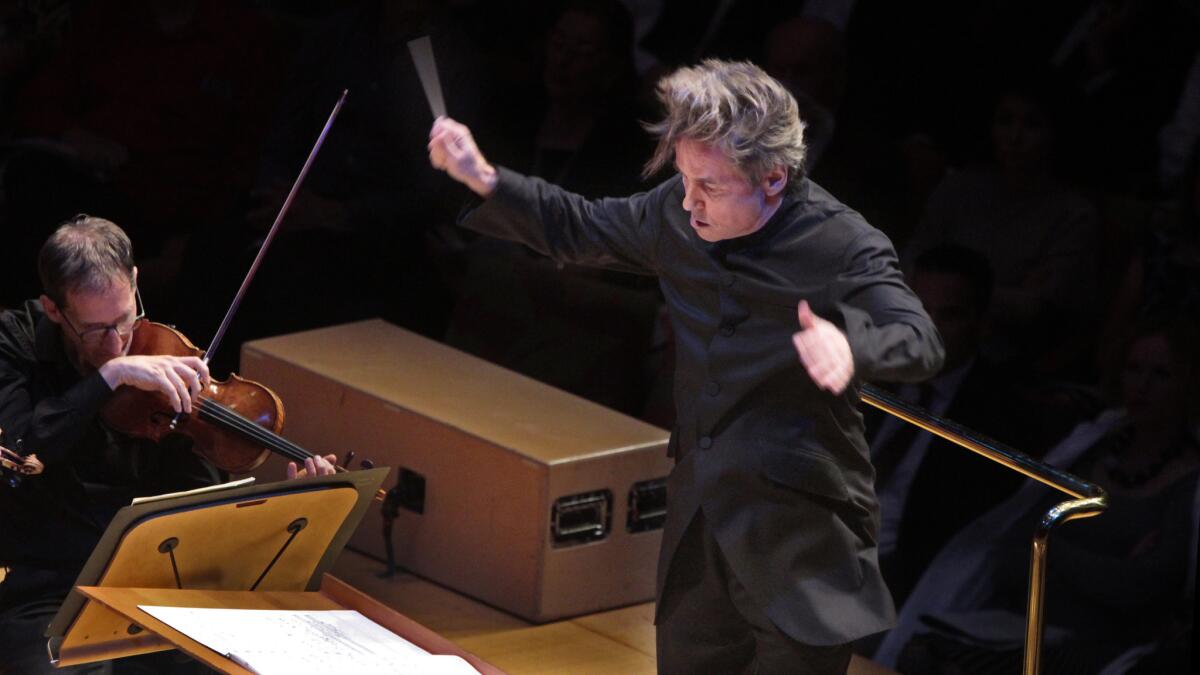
[722, 202]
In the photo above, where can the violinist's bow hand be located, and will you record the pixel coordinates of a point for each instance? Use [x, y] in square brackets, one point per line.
[182, 379]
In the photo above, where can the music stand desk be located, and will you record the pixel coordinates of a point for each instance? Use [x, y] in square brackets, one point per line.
[333, 595]
[279, 537]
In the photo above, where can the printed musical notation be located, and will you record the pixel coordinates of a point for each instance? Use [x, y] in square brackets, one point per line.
[290, 642]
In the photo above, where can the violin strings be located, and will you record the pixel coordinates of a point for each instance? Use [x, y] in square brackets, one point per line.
[225, 418]
[259, 433]
[218, 413]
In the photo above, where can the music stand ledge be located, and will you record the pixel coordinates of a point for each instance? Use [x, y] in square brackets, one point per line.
[334, 594]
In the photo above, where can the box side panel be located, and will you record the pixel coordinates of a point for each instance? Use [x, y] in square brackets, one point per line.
[614, 571]
[482, 505]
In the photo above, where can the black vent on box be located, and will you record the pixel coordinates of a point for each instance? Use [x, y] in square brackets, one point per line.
[580, 518]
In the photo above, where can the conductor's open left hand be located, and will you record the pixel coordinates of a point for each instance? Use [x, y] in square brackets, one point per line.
[823, 350]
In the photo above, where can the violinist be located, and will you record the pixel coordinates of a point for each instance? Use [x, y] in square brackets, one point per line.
[61, 357]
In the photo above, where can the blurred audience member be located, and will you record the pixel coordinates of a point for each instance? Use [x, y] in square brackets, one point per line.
[579, 127]
[1038, 234]
[1179, 139]
[808, 55]
[684, 31]
[673, 33]
[354, 243]
[583, 330]
[1126, 60]
[157, 108]
[1116, 583]
[928, 487]
[1163, 275]
[29, 33]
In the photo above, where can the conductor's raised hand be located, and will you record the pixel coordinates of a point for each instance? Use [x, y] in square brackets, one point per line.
[823, 350]
[452, 149]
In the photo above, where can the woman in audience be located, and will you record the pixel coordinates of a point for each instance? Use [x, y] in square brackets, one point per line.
[1119, 582]
[1037, 232]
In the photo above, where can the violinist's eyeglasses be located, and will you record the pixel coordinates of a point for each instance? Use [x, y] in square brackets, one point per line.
[123, 329]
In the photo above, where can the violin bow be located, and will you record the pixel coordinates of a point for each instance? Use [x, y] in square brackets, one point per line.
[262, 250]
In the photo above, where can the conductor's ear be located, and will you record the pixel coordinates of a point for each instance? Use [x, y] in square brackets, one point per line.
[775, 181]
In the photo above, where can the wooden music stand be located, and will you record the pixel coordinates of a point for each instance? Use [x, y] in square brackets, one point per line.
[276, 537]
[333, 595]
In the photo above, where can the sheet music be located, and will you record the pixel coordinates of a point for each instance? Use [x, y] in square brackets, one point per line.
[288, 642]
[197, 491]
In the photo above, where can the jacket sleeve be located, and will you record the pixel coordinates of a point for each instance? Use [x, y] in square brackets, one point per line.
[615, 233]
[53, 425]
[891, 337]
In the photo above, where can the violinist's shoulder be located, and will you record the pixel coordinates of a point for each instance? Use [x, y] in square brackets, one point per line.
[18, 330]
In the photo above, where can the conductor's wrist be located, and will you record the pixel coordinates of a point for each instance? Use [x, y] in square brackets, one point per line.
[485, 181]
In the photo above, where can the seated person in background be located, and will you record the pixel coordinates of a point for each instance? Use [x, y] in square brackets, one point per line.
[580, 329]
[929, 488]
[1163, 272]
[1039, 235]
[61, 357]
[153, 110]
[1120, 582]
[808, 55]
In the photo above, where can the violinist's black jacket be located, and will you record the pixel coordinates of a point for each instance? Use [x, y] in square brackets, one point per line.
[778, 466]
[51, 522]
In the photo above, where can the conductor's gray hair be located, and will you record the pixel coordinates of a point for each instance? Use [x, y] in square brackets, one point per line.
[738, 109]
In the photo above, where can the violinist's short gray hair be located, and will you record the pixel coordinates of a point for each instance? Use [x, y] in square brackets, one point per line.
[737, 108]
[85, 253]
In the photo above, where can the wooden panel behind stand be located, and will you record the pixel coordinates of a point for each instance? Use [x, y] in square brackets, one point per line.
[495, 450]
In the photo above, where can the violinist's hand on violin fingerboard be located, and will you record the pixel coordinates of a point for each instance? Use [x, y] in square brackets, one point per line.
[180, 378]
[452, 149]
[313, 466]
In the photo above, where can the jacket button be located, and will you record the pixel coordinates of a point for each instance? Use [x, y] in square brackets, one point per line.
[727, 329]
[705, 442]
[712, 388]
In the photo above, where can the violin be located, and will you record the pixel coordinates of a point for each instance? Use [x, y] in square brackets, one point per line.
[14, 466]
[235, 423]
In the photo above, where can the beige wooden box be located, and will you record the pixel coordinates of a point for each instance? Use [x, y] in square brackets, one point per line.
[517, 493]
